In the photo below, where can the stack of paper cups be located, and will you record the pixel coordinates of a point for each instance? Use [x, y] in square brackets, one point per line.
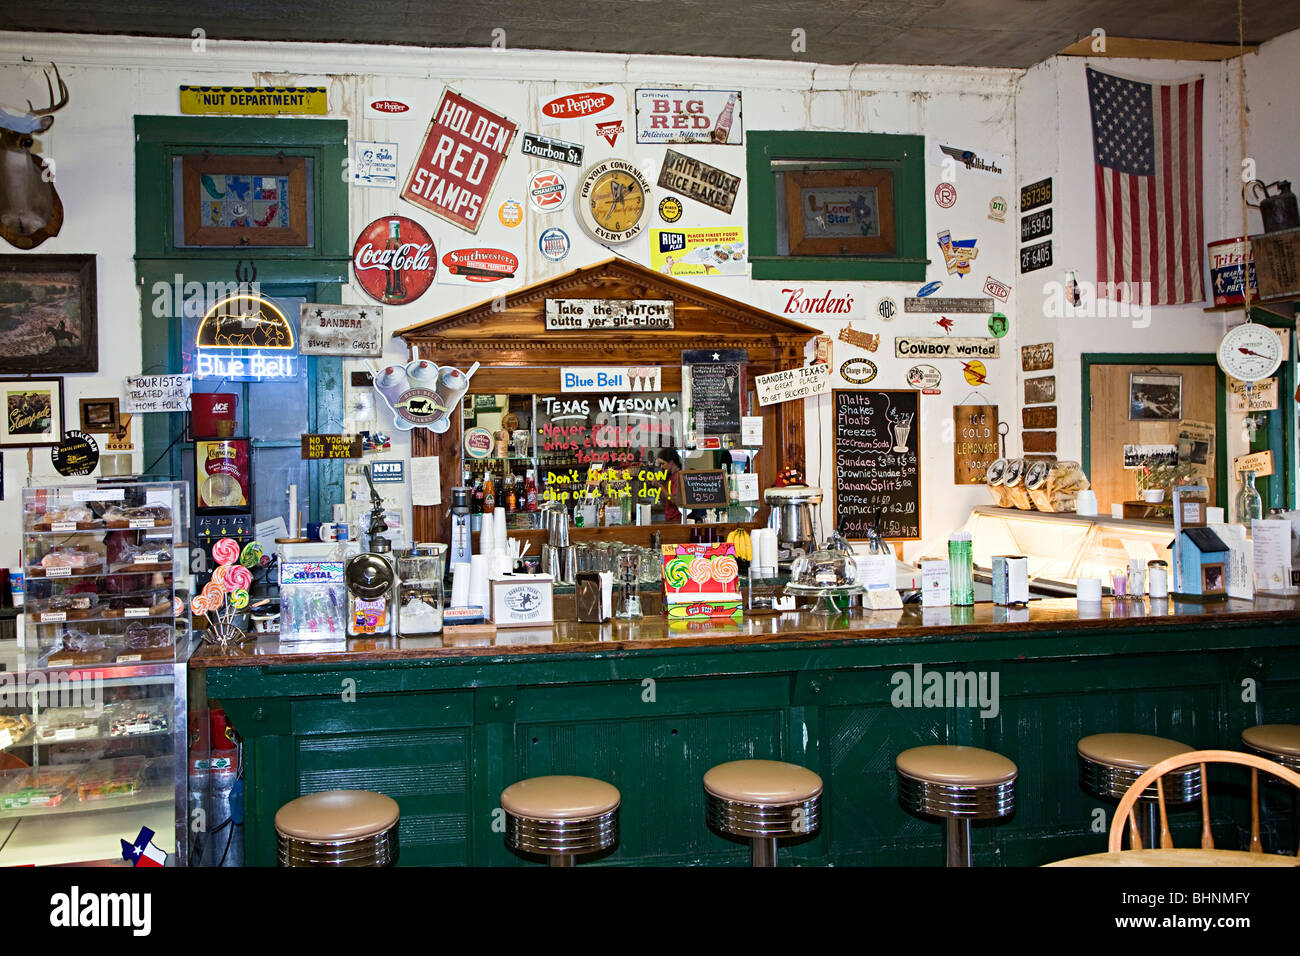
[478, 580]
[763, 541]
[1089, 590]
[485, 537]
[460, 584]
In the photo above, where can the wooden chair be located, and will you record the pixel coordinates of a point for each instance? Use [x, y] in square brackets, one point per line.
[1201, 757]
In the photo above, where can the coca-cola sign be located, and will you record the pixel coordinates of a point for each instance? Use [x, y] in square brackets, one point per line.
[394, 260]
[575, 105]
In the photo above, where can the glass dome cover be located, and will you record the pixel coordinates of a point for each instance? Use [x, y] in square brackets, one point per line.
[832, 566]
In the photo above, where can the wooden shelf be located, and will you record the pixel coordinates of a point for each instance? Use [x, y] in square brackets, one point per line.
[1284, 306]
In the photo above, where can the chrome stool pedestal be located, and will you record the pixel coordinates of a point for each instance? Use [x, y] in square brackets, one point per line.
[338, 828]
[1111, 763]
[561, 817]
[1276, 742]
[763, 801]
[959, 784]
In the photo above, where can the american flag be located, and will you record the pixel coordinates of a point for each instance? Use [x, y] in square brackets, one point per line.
[1146, 141]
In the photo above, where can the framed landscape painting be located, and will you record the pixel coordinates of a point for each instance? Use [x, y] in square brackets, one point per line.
[47, 314]
[31, 412]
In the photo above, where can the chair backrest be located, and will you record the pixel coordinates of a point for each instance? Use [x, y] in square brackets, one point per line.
[1198, 757]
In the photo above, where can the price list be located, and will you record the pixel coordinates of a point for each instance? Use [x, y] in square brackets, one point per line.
[877, 467]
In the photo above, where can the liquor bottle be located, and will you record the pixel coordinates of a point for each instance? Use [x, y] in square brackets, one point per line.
[510, 497]
[395, 283]
[530, 491]
[489, 495]
[722, 129]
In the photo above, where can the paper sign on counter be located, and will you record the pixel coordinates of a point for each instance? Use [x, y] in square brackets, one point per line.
[1271, 540]
[751, 431]
[1240, 566]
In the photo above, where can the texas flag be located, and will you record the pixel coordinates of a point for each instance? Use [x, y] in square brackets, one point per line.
[142, 852]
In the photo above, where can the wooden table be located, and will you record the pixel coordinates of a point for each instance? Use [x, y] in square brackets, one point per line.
[1177, 857]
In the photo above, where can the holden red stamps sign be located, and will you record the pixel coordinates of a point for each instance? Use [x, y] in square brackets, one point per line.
[394, 260]
[462, 154]
[547, 191]
[577, 105]
[472, 266]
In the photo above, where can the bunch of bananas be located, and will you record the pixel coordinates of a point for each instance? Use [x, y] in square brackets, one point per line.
[744, 546]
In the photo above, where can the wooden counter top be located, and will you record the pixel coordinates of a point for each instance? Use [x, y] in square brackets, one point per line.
[912, 624]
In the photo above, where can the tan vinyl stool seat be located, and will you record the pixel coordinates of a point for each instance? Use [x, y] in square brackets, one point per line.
[561, 817]
[763, 801]
[338, 828]
[1279, 742]
[1111, 763]
[959, 784]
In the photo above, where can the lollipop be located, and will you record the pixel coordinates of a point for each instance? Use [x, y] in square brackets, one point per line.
[199, 605]
[252, 555]
[226, 551]
[699, 570]
[178, 607]
[219, 575]
[239, 599]
[213, 595]
[676, 573]
[724, 569]
[239, 579]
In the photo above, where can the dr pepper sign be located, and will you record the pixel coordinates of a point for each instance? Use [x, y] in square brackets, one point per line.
[459, 161]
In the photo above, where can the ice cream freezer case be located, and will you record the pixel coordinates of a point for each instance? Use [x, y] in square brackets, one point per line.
[1061, 548]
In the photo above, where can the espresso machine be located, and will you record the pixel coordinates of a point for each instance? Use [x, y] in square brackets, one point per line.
[792, 514]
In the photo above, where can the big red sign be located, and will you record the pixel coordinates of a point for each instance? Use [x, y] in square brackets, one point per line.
[459, 161]
[394, 260]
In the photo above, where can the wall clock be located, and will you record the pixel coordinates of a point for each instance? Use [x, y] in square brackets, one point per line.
[613, 201]
[1250, 352]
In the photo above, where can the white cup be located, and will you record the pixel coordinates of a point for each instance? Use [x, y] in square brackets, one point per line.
[1086, 503]
[1089, 590]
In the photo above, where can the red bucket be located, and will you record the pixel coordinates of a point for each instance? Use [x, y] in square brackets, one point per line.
[208, 408]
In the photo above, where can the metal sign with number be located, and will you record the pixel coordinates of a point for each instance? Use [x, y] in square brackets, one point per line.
[1036, 224]
[1036, 194]
[1037, 256]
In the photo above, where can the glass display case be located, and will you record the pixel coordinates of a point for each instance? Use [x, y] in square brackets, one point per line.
[92, 718]
[1062, 548]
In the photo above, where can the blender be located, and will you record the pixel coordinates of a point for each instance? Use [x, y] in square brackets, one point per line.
[792, 515]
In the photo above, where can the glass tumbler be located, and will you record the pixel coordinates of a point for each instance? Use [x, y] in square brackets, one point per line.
[629, 579]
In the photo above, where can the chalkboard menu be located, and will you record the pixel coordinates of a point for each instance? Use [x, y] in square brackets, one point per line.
[877, 465]
[715, 397]
[703, 489]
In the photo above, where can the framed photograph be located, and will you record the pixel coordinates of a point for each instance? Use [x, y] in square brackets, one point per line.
[258, 200]
[48, 317]
[101, 415]
[1212, 578]
[840, 212]
[33, 412]
[1155, 397]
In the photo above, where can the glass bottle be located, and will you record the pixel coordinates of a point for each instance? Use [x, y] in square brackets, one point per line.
[1250, 506]
[489, 495]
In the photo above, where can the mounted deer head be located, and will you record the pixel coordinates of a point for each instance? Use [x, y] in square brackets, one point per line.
[30, 209]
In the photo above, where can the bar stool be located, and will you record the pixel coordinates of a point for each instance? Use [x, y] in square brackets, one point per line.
[1111, 763]
[561, 817]
[960, 784]
[1280, 742]
[763, 801]
[338, 828]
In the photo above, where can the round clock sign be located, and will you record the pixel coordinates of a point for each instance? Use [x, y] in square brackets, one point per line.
[1250, 352]
[394, 260]
[613, 201]
[76, 454]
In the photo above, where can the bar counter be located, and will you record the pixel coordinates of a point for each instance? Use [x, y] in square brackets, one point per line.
[443, 724]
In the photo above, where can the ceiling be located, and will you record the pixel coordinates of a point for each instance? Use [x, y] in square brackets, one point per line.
[990, 33]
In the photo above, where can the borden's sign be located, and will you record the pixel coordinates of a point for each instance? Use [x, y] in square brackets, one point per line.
[577, 105]
[463, 151]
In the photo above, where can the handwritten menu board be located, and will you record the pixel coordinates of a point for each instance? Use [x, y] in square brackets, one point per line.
[877, 466]
[331, 446]
[703, 489]
[715, 397]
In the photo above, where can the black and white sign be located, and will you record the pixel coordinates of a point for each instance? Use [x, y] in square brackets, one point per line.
[1035, 257]
[1036, 224]
[564, 314]
[551, 150]
[157, 393]
[77, 454]
[341, 329]
[1036, 194]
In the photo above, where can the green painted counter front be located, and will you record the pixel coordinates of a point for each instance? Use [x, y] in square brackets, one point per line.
[443, 730]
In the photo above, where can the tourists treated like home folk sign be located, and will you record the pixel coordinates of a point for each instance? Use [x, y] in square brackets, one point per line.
[341, 329]
[877, 468]
[157, 393]
[458, 163]
[613, 314]
[687, 176]
[975, 445]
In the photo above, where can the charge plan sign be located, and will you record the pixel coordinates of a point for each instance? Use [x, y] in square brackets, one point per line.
[158, 393]
[794, 383]
[341, 329]
[606, 379]
[608, 314]
[462, 154]
[945, 348]
[689, 116]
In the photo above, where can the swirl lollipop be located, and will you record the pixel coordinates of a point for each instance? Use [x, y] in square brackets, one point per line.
[699, 570]
[252, 555]
[199, 605]
[676, 573]
[226, 551]
[725, 569]
[239, 579]
[219, 575]
[213, 594]
[239, 599]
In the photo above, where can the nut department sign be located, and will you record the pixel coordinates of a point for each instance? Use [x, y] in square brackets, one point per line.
[458, 163]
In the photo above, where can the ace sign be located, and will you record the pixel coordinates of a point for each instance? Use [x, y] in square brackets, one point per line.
[458, 163]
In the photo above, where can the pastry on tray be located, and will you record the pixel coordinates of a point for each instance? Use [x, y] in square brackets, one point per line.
[35, 788]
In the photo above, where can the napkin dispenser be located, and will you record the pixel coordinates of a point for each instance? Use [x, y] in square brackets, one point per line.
[594, 596]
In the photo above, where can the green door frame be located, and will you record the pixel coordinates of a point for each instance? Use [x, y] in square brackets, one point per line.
[1279, 431]
[1089, 359]
[317, 271]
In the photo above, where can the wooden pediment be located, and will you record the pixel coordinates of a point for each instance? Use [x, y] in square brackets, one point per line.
[518, 324]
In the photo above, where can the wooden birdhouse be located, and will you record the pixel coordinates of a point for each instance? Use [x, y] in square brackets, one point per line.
[1201, 564]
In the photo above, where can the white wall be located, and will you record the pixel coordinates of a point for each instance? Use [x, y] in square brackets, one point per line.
[112, 79]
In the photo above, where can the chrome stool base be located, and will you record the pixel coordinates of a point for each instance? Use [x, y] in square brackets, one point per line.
[958, 804]
[377, 850]
[562, 840]
[763, 824]
[1290, 761]
[1109, 782]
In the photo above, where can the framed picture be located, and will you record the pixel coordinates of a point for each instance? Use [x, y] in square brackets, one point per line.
[258, 200]
[840, 212]
[48, 314]
[1155, 397]
[33, 412]
[1212, 578]
[100, 415]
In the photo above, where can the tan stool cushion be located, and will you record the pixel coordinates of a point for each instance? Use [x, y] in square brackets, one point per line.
[969, 766]
[1274, 738]
[336, 815]
[762, 782]
[1132, 751]
[559, 798]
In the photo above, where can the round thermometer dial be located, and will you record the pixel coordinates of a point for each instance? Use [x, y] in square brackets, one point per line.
[1250, 352]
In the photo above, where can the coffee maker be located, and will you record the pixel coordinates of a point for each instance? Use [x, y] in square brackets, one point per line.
[792, 514]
